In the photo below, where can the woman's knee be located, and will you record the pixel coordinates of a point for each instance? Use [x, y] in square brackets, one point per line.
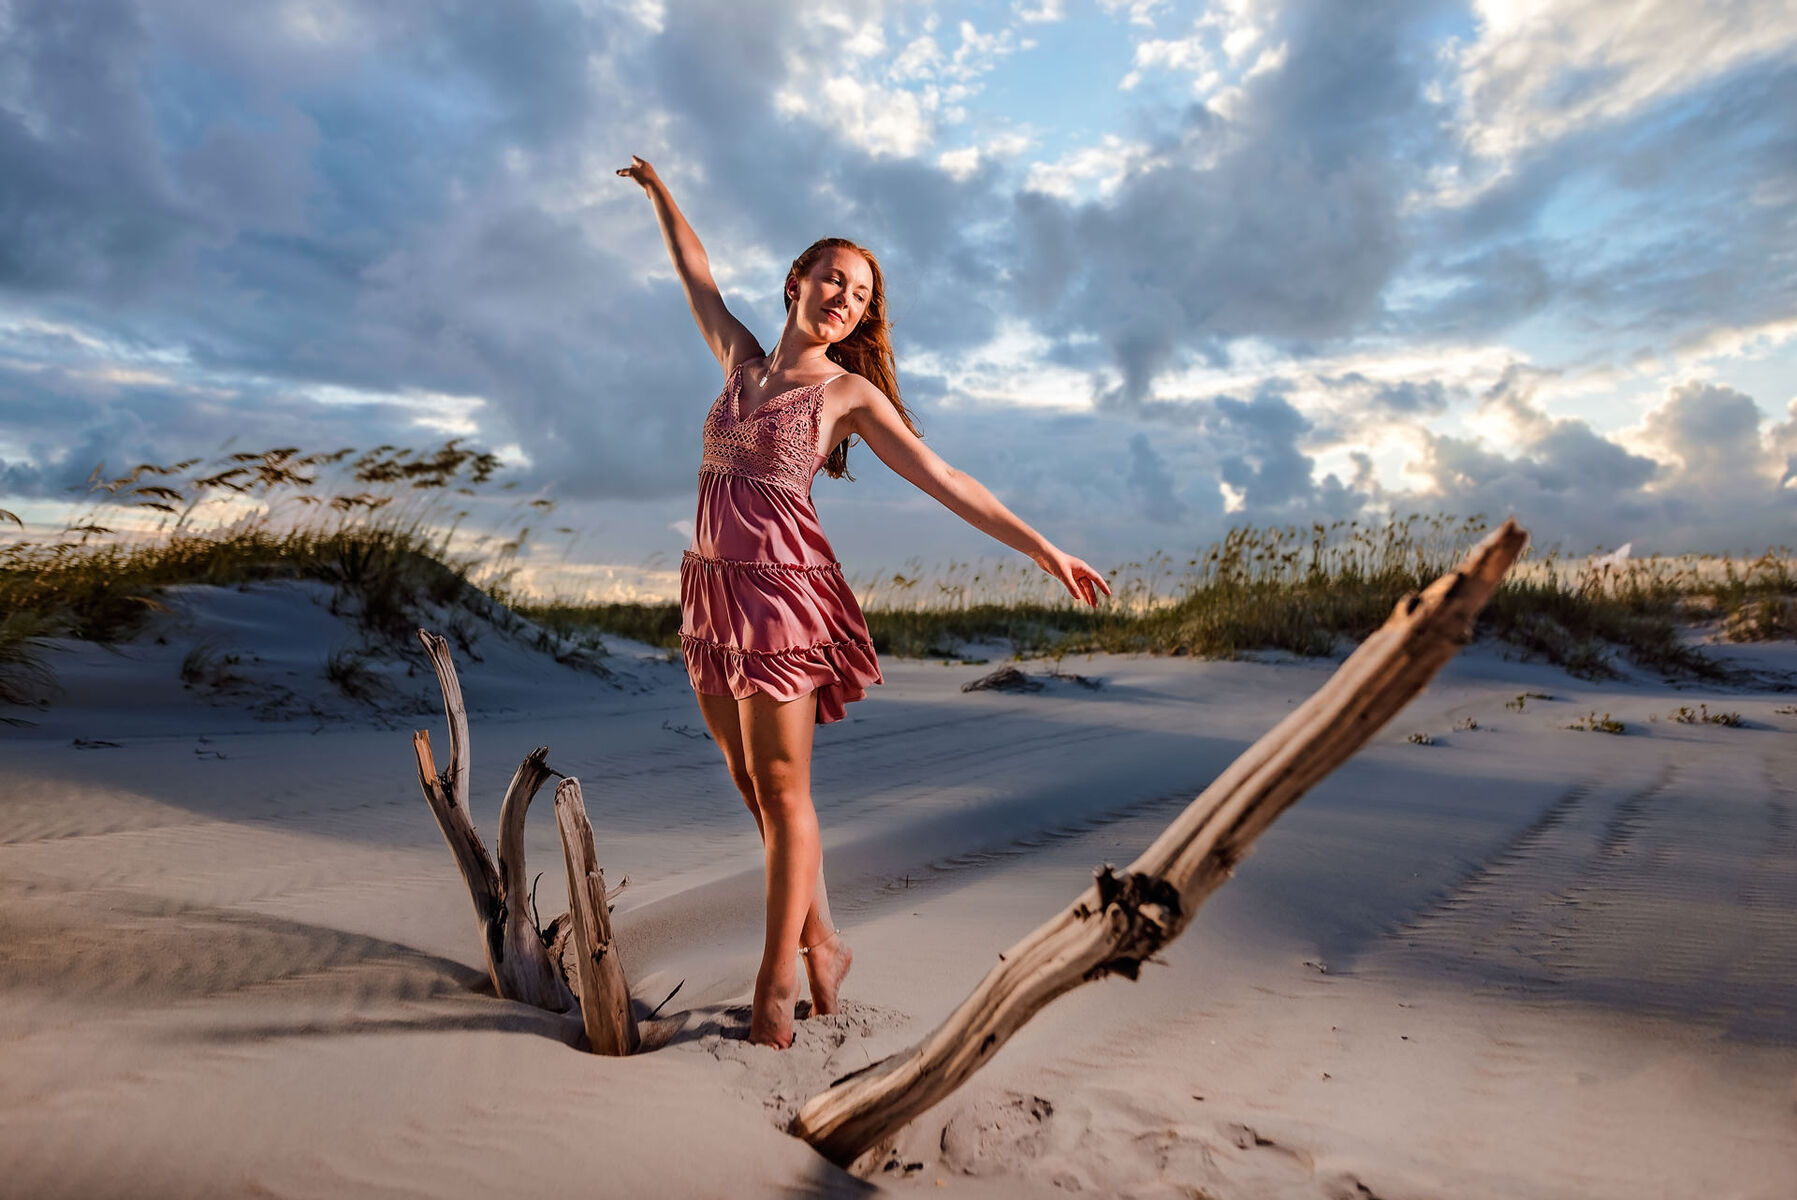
[780, 791]
[745, 783]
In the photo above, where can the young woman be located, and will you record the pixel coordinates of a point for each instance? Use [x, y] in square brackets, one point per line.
[774, 641]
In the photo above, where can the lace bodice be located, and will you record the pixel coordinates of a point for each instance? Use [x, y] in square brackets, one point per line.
[777, 443]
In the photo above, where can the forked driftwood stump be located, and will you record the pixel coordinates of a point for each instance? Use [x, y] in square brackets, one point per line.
[1122, 920]
[524, 961]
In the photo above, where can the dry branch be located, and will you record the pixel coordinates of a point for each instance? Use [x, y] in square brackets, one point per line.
[1123, 919]
[604, 993]
[519, 963]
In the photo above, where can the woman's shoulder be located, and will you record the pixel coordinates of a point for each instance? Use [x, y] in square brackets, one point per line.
[850, 388]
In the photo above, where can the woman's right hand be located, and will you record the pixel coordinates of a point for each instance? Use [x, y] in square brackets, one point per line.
[1079, 579]
[642, 172]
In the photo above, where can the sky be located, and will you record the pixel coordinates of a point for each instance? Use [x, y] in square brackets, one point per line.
[1154, 269]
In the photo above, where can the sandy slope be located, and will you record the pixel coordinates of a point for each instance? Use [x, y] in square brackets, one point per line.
[235, 957]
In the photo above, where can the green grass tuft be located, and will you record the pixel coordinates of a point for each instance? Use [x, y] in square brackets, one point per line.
[1592, 723]
[1701, 715]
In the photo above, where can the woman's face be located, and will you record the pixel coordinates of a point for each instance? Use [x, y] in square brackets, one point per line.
[832, 296]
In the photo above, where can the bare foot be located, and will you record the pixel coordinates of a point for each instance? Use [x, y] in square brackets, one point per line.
[826, 964]
[770, 1021]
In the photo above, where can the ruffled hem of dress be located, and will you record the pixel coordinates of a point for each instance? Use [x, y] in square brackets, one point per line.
[839, 671]
[780, 628]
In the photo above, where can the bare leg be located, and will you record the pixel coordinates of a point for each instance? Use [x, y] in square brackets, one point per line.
[828, 960]
[777, 737]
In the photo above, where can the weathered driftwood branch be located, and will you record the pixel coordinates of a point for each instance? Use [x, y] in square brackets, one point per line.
[604, 993]
[518, 960]
[1123, 919]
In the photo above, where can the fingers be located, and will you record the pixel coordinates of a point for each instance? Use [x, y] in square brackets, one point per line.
[1080, 580]
[1087, 583]
[1080, 585]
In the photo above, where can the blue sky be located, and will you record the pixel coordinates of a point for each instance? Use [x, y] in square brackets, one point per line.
[1156, 268]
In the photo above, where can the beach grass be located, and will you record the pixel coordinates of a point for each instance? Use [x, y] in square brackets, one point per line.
[384, 529]
[1308, 591]
[378, 526]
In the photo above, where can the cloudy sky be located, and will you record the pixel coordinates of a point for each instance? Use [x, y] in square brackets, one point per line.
[1155, 268]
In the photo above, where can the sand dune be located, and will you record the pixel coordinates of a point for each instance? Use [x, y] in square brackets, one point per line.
[235, 957]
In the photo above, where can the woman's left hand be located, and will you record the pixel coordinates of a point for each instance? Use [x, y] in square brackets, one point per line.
[1078, 578]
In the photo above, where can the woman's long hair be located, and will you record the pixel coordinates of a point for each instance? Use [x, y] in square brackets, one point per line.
[867, 351]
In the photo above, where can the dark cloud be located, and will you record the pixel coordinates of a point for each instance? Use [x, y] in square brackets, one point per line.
[1153, 483]
[113, 425]
[1411, 397]
[368, 213]
[1281, 224]
[355, 222]
[781, 184]
[1269, 469]
[420, 202]
[85, 201]
[1783, 442]
[1652, 226]
[1482, 292]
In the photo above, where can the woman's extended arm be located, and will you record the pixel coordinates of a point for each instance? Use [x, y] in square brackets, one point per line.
[874, 418]
[729, 340]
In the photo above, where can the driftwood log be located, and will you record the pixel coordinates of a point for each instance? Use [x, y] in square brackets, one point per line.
[523, 960]
[1123, 919]
[604, 996]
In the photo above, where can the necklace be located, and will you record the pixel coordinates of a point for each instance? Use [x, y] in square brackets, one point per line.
[768, 373]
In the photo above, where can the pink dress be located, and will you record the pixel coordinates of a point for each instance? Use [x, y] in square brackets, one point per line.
[762, 598]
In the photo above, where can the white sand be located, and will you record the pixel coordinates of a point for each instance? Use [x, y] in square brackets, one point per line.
[236, 958]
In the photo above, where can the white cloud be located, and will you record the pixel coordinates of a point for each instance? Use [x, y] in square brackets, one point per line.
[1012, 370]
[979, 52]
[881, 120]
[1710, 434]
[1212, 53]
[1139, 12]
[1042, 12]
[1239, 40]
[320, 21]
[887, 105]
[1090, 170]
[1542, 68]
[652, 14]
[1163, 54]
[965, 160]
[441, 413]
[960, 163]
[922, 58]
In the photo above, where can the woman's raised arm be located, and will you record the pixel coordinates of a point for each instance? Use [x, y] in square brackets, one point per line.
[872, 416]
[730, 341]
